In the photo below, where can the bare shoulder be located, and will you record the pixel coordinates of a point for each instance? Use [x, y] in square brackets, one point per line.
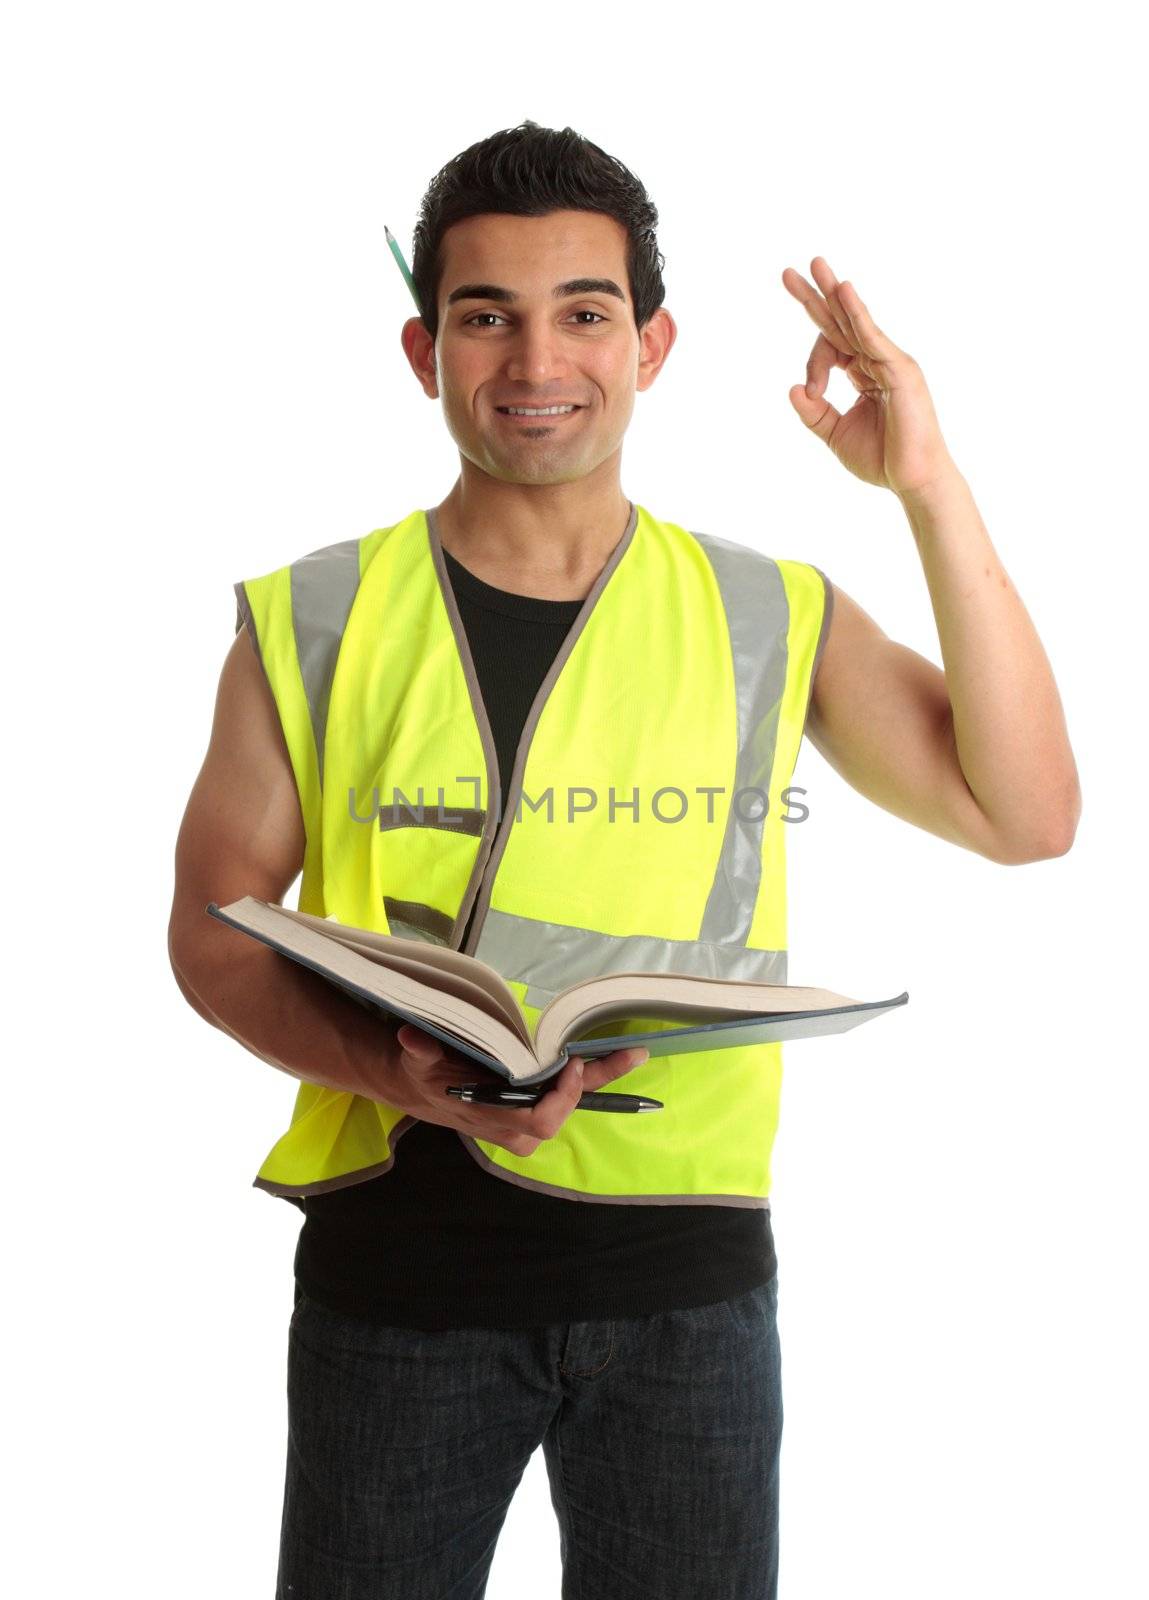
[880, 715]
[855, 645]
[242, 830]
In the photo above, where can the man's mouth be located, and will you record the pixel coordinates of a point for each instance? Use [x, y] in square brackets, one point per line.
[537, 413]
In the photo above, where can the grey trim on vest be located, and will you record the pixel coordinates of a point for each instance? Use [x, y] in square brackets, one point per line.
[758, 616]
[408, 930]
[243, 616]
[823, 635]
[487, 864]
[418, 921]
[345, 1179]
[445, 818]
[490, 754]
[323, 587]
[550, 957]
[824, 631]
[748, 1201]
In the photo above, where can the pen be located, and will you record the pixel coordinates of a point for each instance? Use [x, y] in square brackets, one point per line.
[398, 254]
[486, 1094]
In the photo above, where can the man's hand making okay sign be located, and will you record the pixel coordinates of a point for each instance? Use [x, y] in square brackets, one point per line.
[890, 435]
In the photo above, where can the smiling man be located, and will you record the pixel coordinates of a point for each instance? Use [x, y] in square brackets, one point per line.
[475, 1281]
[538, 383]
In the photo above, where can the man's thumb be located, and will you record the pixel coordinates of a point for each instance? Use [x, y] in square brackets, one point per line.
[818, 414]
[416, 1042]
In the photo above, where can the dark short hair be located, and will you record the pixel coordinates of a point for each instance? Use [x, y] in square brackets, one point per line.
[529, 171]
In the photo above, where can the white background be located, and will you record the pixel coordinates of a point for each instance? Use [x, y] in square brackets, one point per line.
[204, 380]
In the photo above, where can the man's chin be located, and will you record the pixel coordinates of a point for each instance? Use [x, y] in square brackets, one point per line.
[540, 471]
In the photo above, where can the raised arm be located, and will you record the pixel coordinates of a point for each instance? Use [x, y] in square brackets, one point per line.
[977, 753]
[886, 720]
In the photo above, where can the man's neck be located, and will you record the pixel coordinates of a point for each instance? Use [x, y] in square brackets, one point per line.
[539, 543]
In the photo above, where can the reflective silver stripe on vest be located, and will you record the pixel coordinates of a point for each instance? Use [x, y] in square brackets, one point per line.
[549, 957]
[758, 617]
[323, 585]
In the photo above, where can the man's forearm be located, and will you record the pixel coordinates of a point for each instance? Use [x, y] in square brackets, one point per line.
[288, 1015]
[1009, 725]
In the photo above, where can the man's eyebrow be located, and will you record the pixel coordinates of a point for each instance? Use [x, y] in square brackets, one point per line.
[561, 291]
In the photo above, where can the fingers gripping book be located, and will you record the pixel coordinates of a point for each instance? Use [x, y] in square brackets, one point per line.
[466, 1003]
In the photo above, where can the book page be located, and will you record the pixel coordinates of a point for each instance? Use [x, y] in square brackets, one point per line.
[450, 983]
[683, 1001]
[305, 940]
[439, 958]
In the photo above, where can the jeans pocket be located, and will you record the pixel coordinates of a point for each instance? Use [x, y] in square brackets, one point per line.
[756, 1303]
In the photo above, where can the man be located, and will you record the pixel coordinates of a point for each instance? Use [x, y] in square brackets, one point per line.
[473, 1281]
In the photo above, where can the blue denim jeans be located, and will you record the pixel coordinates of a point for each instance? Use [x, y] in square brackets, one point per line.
[661, 1437]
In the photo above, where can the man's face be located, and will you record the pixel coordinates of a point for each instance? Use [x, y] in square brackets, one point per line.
[506, 338]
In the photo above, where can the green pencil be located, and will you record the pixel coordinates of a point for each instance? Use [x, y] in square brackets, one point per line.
[398, 254]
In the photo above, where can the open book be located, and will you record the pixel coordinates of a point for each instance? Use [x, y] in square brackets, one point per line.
[465, 1003]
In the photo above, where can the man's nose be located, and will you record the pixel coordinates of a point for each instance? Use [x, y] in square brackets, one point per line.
[537, 353]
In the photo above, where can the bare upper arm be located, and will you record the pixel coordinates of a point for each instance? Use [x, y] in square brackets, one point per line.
[880, 714]
[242, 831]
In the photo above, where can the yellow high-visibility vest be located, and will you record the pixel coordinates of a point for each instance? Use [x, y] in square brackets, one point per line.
[644, 828]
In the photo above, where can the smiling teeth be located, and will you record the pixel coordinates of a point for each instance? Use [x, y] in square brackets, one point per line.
[529, 411]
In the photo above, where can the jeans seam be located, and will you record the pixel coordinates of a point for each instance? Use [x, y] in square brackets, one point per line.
[569, 1584]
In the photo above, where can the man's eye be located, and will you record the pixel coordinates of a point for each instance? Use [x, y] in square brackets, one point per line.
[586, 312]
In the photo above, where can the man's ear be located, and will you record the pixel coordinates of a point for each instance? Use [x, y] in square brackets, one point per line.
[419, 348]
[656, 340]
